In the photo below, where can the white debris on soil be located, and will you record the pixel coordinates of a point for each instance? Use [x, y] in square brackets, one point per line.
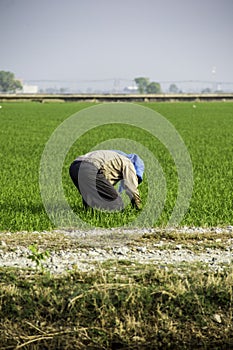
[100, 245]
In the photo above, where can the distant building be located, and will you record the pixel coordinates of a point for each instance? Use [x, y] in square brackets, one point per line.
[131, 89]
[30, 89]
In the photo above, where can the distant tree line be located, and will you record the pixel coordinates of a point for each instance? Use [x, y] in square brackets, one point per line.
[8, 83]
[146, 87]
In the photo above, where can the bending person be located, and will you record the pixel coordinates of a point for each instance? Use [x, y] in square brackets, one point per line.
[96, 173]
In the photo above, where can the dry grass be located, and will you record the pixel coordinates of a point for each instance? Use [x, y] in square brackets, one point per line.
[122, 305]
[118, 307]
[43, 240]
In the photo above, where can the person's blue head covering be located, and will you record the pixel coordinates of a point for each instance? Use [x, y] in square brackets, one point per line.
[137, 162]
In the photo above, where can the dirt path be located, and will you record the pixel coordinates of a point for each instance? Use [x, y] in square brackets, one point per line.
[87, 250]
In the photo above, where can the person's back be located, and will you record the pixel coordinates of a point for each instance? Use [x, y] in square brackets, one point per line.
[105, 169]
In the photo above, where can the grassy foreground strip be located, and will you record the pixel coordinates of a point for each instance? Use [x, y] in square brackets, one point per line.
[119, 306]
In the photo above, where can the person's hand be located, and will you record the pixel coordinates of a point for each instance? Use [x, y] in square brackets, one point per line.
[136, 206]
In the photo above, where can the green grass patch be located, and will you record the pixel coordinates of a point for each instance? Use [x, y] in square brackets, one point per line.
[207, 133]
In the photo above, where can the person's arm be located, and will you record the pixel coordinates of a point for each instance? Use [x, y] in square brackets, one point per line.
[131, 184]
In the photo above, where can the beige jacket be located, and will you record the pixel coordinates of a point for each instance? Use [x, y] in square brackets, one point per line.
[116, 167]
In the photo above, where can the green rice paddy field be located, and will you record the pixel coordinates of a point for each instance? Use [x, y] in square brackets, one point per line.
[206, 129]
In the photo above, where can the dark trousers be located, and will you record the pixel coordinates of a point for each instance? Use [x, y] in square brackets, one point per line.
[95, 189]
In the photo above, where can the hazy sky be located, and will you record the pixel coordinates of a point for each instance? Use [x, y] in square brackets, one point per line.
[164, 40]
